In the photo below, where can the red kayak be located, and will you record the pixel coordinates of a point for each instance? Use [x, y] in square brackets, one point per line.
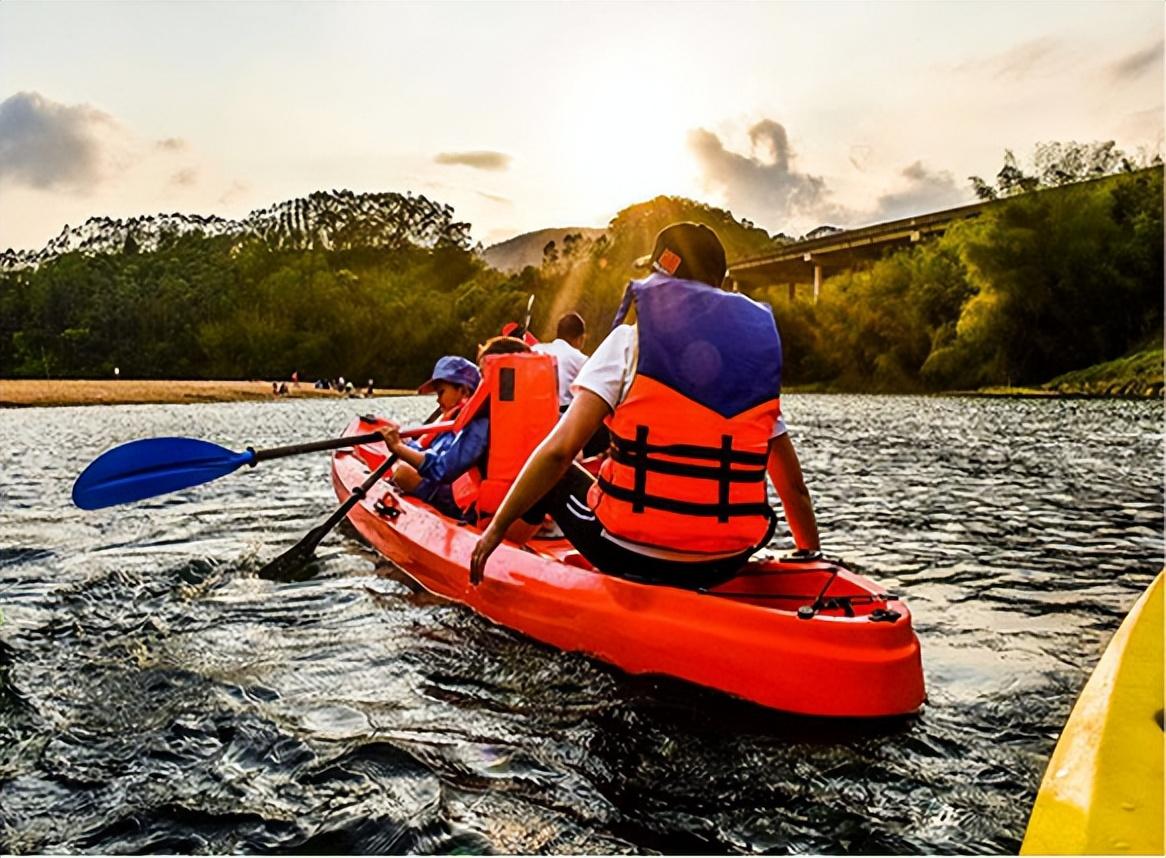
[811, 638]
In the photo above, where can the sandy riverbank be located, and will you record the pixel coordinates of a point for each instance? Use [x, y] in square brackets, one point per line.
[30, 393]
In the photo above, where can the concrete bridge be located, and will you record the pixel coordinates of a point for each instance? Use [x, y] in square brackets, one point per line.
[808, 261]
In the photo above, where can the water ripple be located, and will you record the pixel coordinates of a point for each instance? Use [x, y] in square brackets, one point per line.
[156, 696]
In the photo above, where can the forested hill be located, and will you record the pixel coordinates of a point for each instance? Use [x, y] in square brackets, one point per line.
[381, 285]
[533, 248]
[364, 286]
[328, 220]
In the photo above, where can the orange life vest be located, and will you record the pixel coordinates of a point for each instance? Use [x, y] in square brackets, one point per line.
[689, 442]
[521, 393]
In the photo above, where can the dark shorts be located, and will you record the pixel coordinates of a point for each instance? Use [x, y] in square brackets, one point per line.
[566, 503]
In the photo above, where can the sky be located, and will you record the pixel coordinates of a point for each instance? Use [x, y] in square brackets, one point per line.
[531, 115]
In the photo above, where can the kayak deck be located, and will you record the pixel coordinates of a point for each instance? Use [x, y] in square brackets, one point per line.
[1102, 792]
[811, 638]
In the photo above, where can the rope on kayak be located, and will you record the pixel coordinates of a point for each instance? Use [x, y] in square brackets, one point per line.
[802, 597]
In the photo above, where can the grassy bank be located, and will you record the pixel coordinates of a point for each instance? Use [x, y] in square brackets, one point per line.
[1136, 375]
[29, 393]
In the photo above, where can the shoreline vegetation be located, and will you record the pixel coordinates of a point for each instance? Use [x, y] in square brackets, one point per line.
[28, 393]
[1057, 289]
[1139, 376]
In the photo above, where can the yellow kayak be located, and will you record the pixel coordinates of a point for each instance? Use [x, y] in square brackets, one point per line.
[1102, 791]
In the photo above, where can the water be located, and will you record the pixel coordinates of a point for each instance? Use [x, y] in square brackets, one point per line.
[161, 698]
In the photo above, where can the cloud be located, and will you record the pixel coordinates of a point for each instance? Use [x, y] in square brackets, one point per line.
[494, 198]
[860, 156]
[171, 144]
[1021, 61]
[925, 191]
[47, 145]
[1134, 65]
[237, 190]
[480, 160]
[764, 184]
[185, 177]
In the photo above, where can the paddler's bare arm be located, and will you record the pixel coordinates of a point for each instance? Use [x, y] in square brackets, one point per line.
[542, 470]
[786, 473]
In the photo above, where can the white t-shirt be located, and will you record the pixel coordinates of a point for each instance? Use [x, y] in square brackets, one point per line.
[609, 372]
[569, 359]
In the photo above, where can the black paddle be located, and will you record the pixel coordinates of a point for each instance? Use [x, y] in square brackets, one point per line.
[521, 332]
[292, 565]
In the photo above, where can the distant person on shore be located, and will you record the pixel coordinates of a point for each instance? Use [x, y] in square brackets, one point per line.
[369, 391]
[274, 389]
[283, 388]
[116, 373]
[296, 378]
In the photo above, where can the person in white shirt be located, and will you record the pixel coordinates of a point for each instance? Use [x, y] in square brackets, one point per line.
[708, 378]
[570, 336]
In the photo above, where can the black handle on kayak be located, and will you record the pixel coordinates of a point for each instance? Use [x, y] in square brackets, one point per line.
[290, 565]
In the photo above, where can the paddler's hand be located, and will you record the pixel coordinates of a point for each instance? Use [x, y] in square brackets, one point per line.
[391, 432]
[487, 542]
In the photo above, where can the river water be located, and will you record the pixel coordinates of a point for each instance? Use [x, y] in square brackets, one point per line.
[156, 696]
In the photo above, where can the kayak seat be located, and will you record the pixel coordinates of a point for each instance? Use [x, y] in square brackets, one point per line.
[519, 392]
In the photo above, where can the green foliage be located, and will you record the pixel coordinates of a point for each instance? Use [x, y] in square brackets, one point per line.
[1038, 286]
[224, 308]
[1061, 280]
[1059, 164]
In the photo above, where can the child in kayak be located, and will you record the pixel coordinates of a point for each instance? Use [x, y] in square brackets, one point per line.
[453, 381]
[691, 396]
[428, 472]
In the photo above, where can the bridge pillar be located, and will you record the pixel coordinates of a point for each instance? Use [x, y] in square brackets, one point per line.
[817, 281]
[793, 290]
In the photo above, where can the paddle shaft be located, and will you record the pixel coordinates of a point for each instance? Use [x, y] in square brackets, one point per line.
[346, 441]
[317, 533]
[361, 490]
[315, 447]
[283, 567]
[526, 321]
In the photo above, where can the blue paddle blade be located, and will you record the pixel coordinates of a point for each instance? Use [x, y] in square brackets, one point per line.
[153, 466]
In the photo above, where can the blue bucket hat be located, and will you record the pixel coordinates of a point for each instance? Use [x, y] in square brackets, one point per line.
[453, 369]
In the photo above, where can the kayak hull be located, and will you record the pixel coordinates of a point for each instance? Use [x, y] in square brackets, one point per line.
[744, 638]
[1102, 792]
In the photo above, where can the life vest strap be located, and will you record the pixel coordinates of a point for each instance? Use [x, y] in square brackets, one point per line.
[688, 451]
[642, 500]
[680, 469]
